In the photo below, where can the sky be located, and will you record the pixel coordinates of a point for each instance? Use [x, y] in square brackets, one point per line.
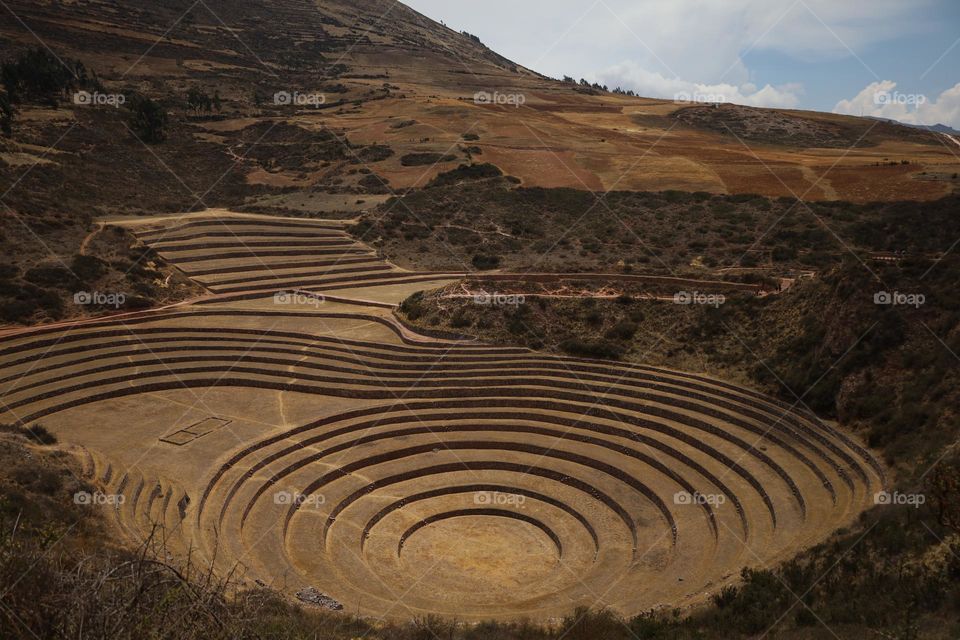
[898, 59]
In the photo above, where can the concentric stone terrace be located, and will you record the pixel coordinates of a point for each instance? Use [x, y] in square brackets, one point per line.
[326, 445]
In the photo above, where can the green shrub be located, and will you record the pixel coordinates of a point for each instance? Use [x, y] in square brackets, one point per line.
[424, 159]
[17, 310]
[460, 319]
[784, 253]
[198, 100]
[40, 434]
[413, 307]
[88, 268]
[51, 303]
[594, 318]
[726, 597]
[7, 115]
[51, 276]
[622, 331]
[466, 172]
[485, 262]
[375, 153]
[148, 120]
[586, 624]
[583, 349]
[39, 75]
[8, 271]
[137, 303]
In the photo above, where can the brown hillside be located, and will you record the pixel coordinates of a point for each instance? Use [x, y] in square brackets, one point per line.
[380, 64]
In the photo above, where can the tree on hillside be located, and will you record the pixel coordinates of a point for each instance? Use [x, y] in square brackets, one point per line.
[39, 75]
[148, 120]
[7, 113]
[198, 100]
[944, 485]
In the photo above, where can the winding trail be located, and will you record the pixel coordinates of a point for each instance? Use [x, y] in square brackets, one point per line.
[89, 237]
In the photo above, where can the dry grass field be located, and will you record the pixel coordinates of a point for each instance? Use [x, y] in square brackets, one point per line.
[391, 77]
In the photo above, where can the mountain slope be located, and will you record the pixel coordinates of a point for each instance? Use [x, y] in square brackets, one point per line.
[391, 76]
[266, 37]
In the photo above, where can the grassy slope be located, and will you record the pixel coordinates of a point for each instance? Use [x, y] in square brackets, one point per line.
[693, 234]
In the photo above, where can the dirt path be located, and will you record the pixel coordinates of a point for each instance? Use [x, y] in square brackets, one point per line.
[820, 182]
[90, 236]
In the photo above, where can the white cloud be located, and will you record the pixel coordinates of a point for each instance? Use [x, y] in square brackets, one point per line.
[675, 46]
[705, 41]
[630, 75]
[884, 100]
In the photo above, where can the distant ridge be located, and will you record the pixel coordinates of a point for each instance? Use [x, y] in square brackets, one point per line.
[936, 128]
